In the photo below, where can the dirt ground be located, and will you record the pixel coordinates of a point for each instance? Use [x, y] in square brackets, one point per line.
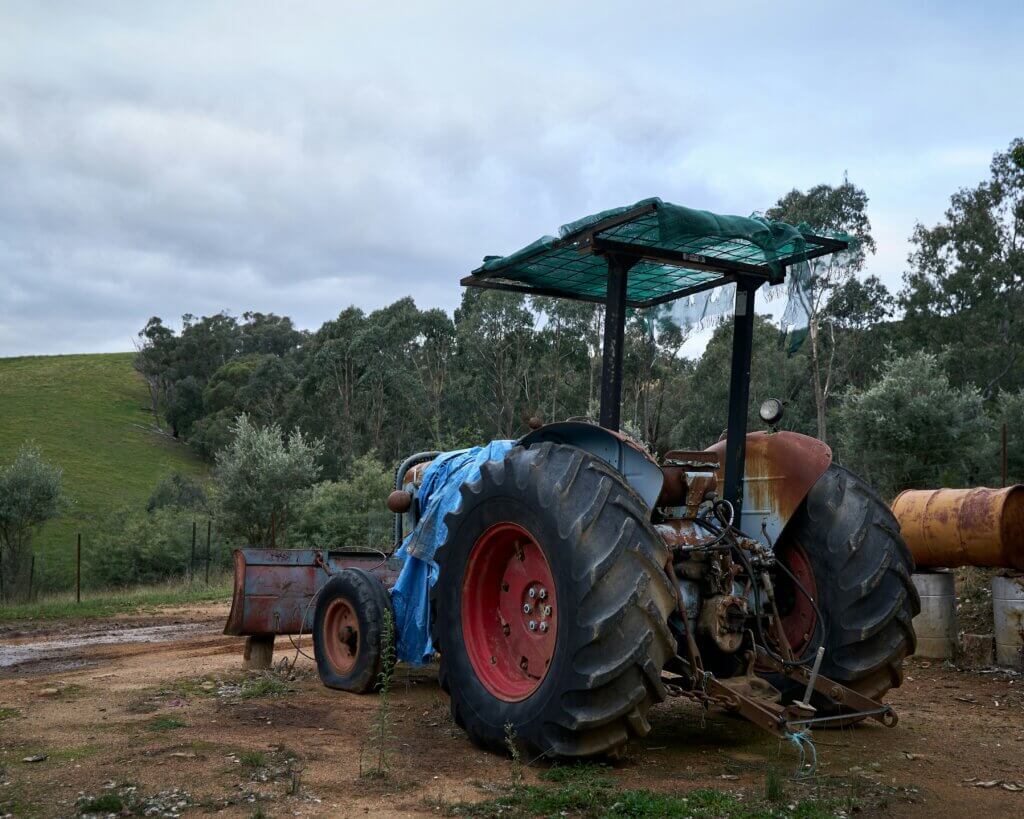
[162, 714]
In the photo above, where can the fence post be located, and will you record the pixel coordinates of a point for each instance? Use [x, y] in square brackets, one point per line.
[207, 551]
[192, 559]
[78, 570]
[31, 576]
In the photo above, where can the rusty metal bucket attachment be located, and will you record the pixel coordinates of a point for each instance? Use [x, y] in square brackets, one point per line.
[274, 588]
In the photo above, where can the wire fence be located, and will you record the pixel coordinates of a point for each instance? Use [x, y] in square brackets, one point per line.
[189, 549]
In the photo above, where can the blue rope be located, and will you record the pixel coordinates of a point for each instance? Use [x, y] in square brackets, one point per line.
[808, 753]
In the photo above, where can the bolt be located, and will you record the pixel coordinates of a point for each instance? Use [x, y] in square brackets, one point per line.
[543, 594]
[543, 626]
[533, 625]
[527, 608]
[547, 611]
[533, 592]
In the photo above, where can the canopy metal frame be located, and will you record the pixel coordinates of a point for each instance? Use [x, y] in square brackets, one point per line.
[621, 257]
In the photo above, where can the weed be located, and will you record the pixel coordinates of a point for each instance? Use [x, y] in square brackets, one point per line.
[252, 759]
[381, 730]
[516, 771]
[264, 685]
[774, 788]
[166, 724]
[9, 713]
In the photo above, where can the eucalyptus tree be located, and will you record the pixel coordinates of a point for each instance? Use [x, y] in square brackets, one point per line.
[841, 208]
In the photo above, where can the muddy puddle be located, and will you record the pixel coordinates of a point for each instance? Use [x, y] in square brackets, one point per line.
[65, 652]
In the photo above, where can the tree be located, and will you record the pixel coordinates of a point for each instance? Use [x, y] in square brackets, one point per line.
[351, 512]
[703, 408]
[496, 360]
[1010, 413]
[913, 429]
[177, 491]
[826, 208]
[965, 287]
[262, 481]
[30, 494]
[154, 355]
[650, 360]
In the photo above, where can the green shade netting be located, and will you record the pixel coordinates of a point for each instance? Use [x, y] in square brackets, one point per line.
[556, 263]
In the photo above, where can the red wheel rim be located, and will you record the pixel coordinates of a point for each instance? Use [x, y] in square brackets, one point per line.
[341, 635]
[508, 586]
[798, 616]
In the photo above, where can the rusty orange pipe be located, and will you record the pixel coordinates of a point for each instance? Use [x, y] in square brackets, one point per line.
[963, 527]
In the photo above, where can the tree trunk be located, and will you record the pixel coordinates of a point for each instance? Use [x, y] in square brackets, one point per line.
[819, 393]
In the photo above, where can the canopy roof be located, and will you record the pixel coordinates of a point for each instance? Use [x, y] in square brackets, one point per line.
[675, 251]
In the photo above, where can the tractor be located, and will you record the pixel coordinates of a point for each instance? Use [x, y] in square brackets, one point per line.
[569, 580]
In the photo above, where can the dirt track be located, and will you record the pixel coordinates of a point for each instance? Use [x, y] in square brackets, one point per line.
[169, 715]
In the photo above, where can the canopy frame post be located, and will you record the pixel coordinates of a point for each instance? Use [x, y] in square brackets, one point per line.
[614, 337]
[739, 393]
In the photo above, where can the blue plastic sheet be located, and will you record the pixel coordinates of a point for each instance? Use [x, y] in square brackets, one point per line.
[438, 495]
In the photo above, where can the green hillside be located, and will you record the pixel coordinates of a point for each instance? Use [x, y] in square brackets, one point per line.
[89, 414]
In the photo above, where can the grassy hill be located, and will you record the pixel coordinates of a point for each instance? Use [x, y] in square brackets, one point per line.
[89, 414]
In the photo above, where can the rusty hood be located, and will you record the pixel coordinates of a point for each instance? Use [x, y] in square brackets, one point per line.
[779, 470]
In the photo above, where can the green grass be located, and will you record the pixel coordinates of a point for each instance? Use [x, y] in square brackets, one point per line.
[126, 601]
[263, 686]
[107, 803]
[89, 414]
[588, 791]
[166, 723]
[252, 759]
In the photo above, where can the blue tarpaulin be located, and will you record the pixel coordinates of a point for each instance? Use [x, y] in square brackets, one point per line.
[438, 495]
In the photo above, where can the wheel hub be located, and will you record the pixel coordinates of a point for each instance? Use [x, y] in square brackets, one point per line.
[795, 610]
[509, 612]
[341, 628]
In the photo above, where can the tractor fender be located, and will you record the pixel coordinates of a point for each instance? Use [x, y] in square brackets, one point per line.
[779, 470]
[636, 466]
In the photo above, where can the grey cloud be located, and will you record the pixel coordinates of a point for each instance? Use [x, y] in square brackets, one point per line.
[193, 158]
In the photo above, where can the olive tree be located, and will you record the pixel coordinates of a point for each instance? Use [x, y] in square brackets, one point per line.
[913, 429]
[350, 513]
[262, 480]
[30, 494]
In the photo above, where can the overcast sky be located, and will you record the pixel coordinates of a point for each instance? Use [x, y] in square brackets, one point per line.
[158, 159]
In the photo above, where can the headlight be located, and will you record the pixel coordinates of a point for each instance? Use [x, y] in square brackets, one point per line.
[771, 411]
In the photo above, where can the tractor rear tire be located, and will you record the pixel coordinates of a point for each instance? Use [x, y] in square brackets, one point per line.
[557, 530]
[348, 631]
[845, 543]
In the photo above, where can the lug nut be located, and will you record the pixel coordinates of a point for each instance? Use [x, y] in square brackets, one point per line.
[543, 626]
[527, 608]
[547, 611]
[533, 592]
[533, 625]
[543, 593]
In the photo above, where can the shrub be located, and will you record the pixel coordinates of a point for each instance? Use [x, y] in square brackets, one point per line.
[350, 512]
[30, 494]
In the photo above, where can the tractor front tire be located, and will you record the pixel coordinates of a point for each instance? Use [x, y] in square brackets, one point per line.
[552, 606]
[348, 631]
[844, 544]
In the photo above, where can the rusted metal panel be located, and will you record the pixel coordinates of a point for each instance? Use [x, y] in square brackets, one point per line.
[273, 588]
[780, 469]
[963, 527]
